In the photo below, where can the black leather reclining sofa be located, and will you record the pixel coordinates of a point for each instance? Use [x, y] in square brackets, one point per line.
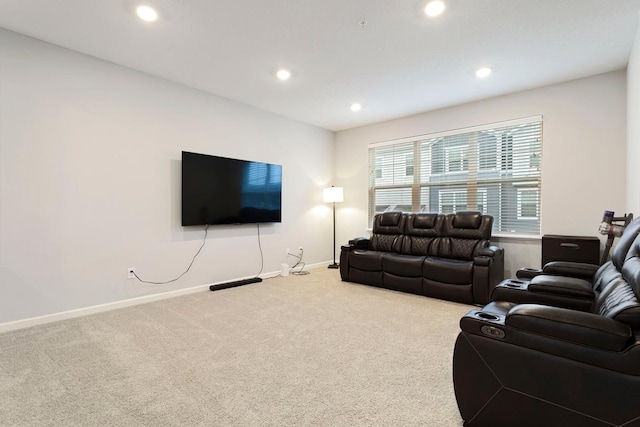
[558, 350]
[442, 256]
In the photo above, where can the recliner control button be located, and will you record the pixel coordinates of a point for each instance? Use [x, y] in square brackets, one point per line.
[492, 331]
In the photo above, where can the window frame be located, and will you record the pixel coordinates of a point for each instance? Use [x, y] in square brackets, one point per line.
[494, 165]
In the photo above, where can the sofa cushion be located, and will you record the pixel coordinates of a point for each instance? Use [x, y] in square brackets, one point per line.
[390, 219]
[469, 220]
[414, 245]
[466, 249]
[421, 230]
[400, 283]
[623, 246]
[423, 223]
[618, 301]
[456, 272]
[403, 265]
[366, 260]
[368, 277]
[457, 248]
[388, 231]
[386, 242]
[436, 289]
[468, 225]
[619, 298]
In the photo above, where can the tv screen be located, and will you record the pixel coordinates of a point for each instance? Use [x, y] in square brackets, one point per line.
[220, 190]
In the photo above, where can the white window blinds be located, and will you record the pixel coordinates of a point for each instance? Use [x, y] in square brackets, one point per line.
[494, 169]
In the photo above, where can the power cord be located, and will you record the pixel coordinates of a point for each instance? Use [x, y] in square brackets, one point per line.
[206, 230]
[261, 254]
[299, 263]
[197, 253]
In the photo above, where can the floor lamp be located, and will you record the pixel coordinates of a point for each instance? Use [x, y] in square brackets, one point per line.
[333, 195]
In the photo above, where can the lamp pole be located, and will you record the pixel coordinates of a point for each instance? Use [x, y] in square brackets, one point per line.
[333, 195]
[334, 265]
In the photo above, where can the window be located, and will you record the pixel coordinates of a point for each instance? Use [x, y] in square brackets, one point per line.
[494, 169]
[408, 164]
[456, 159]
[452, 201]
[378, 167]
[528, 203]
[488, 152]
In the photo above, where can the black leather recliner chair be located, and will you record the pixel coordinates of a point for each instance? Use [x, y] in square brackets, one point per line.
[522, 364]
[569, 284]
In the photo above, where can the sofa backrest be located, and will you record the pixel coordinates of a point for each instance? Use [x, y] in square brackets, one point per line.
[611, 269]
[463, 235]
[457, 236]
[620, 298]
[422, 230]
[388, 231]
[629, 235]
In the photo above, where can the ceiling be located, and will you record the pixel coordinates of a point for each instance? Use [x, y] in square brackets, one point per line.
[384, 54]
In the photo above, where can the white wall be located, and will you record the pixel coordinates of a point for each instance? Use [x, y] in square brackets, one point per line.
[90, 182]
[583, 156]
[633, 128]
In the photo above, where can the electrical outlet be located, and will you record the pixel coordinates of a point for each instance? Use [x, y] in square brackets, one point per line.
[131, 273]
[288, 251]
[300, 249]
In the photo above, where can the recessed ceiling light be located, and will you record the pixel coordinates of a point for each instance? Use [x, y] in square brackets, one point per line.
[434, 8]
[283, 74]
[483, 72]
[355, 107]
[147, 13]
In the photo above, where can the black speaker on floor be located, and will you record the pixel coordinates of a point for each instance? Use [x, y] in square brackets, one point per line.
[234, 284]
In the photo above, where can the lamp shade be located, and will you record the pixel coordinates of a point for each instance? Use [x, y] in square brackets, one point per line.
[333, 195]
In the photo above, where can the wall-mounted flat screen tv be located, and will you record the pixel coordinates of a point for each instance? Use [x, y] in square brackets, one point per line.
[220, 190]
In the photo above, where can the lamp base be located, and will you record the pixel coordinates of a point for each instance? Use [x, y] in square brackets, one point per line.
[334, 265]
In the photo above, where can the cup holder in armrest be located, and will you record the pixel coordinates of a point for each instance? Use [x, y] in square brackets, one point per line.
[515, 283]
[487, 316]
[528, 273]
[491, 324]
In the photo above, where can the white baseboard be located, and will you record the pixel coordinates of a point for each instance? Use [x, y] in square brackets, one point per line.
[71, 314]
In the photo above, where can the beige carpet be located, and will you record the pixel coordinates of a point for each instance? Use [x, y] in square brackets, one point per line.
[295, 351]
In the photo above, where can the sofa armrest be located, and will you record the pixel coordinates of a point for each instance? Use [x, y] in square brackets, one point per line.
[547, 290]
[569, 325]
[488, 271]
[357, 243]
[562, 286]
[490, 251]
[579, 270]
[346, 250]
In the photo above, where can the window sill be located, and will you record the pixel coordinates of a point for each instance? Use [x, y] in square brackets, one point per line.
[516, 236]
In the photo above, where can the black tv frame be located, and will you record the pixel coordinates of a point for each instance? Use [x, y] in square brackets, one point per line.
[222, 191]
